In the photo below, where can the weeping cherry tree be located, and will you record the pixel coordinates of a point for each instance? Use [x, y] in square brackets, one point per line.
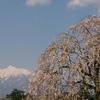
[69, 69]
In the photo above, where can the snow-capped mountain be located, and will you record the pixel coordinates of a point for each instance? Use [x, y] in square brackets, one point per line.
[12, 77]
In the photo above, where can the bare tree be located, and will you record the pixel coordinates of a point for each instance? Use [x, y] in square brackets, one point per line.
[69, 69]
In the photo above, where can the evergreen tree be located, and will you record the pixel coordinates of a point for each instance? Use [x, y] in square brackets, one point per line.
[16, 95]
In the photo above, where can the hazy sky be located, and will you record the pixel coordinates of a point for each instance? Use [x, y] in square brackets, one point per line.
[27, 27]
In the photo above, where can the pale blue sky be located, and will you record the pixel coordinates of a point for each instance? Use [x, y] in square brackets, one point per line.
[27, 27]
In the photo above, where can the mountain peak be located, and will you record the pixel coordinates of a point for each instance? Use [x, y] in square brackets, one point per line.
[11, 67]
[13, 77]
[13, 71]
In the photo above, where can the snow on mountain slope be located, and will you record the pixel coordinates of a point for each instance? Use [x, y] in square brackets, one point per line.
[12, 77]
[13, 71]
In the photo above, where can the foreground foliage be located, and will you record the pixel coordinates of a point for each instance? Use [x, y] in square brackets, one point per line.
[16, 95]
[69, 69]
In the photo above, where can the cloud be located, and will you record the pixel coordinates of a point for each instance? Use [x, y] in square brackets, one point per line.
[83, 3]
[37, 2]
